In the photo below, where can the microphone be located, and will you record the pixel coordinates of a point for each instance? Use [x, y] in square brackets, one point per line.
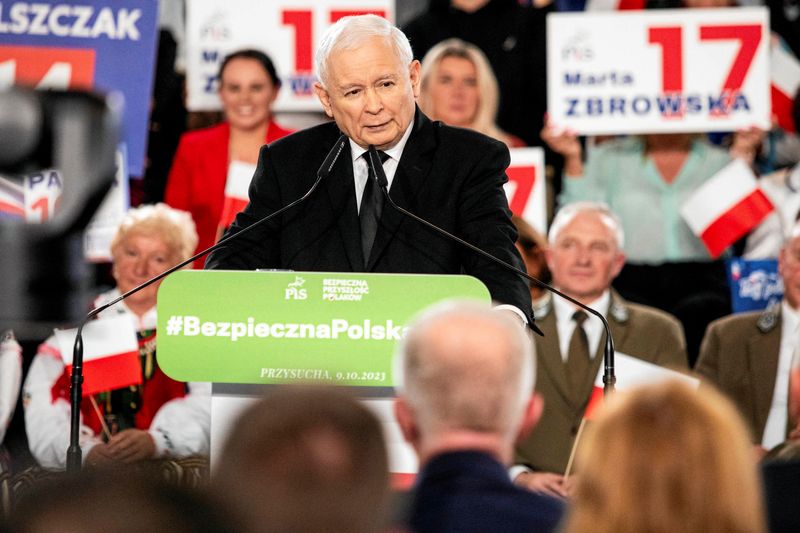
[609, 378]
[74, 451]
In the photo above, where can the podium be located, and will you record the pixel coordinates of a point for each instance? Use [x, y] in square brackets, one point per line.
[246, 332]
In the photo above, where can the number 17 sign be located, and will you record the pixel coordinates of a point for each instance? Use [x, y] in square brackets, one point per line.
[661, 71]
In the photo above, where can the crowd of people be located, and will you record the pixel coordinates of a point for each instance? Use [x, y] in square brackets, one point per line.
[494, 411]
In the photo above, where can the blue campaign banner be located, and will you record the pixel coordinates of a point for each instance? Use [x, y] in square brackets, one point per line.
[755, 283]
[108, 45]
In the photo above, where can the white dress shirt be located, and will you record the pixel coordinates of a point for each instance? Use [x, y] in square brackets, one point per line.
[775, 428]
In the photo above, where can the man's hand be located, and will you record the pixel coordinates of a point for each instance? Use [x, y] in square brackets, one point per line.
[566, 143]
[131, 445]
[544, 483]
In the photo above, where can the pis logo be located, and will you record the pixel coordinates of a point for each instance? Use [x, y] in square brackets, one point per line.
[578, 48]
[294, 290]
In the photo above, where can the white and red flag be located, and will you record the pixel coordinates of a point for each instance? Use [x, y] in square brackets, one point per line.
[632, 372]
[785, 81]
[614, 5]
[726, 207]
[236, 187]
[110, 354]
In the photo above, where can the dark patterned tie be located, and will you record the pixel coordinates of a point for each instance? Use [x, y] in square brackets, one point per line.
[371, 208]
[578, 360]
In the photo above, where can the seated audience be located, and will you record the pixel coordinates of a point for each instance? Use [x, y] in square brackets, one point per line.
[748, 356]
[458, 87]
[206, 159]
[464, 378]
[584, 255]
[645, 180]
[305, 459]
[160, 417]
[666, 459]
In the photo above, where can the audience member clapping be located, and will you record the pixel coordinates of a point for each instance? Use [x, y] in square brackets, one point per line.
[305, 459]
[666, 459]
[459, 88]
[160, 417]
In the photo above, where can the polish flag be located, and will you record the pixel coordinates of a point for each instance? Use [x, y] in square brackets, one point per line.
[110, 354]
[632, 372]
[236, 198]
[785, 78]
[614, 5]
[726, 207]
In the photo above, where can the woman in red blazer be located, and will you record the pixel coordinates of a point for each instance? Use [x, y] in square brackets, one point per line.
[209, 158]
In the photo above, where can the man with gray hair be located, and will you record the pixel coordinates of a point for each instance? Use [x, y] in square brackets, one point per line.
[465, 385]
[748, 356]
[368, 83]
[584, 255]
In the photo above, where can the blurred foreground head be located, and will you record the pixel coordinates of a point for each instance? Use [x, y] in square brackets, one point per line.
[305, 459]
[667, 458]
[44, 278]
[122, 501]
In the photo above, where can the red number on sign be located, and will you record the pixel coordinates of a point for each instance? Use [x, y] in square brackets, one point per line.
[41, 205]
[47, 67]
[671, 41]
[749, 36]
[302, 21]
[303, 38]
[524, 178]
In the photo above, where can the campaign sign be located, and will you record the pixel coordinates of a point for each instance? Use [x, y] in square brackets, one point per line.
[755, 283]
[526, 187]
[661, 71]
[107, 45]
[288, 31]
[334, 328]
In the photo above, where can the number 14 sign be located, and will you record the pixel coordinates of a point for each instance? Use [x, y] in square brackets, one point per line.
[682, 70]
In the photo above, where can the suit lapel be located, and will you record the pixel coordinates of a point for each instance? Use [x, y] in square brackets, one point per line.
[409, 181]
[763, 352]
[340, 185]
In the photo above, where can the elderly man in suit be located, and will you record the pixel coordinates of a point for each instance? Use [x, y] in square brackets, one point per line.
[584, 255]
[451, 176]
[465, 396]
[749, 355]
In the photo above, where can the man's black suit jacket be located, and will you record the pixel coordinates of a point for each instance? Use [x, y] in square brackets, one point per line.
[450, 176]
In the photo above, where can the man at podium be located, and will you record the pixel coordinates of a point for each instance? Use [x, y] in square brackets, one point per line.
[452, 177]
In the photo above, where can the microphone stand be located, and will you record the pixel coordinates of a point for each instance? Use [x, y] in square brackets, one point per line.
[74, 452]
[609, 377]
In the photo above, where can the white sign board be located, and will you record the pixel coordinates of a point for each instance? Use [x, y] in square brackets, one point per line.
[288, 31]
[526, 187]
[661, 71]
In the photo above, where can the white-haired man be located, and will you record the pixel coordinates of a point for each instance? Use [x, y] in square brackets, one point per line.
[749, 356]
[584, 255]
[465, 396]
[368, 83]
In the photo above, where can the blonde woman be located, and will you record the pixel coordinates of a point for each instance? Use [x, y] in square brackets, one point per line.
[459, 88]
[666, 458]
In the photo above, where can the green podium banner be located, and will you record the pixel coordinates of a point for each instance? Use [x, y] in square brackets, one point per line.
[280, 327]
